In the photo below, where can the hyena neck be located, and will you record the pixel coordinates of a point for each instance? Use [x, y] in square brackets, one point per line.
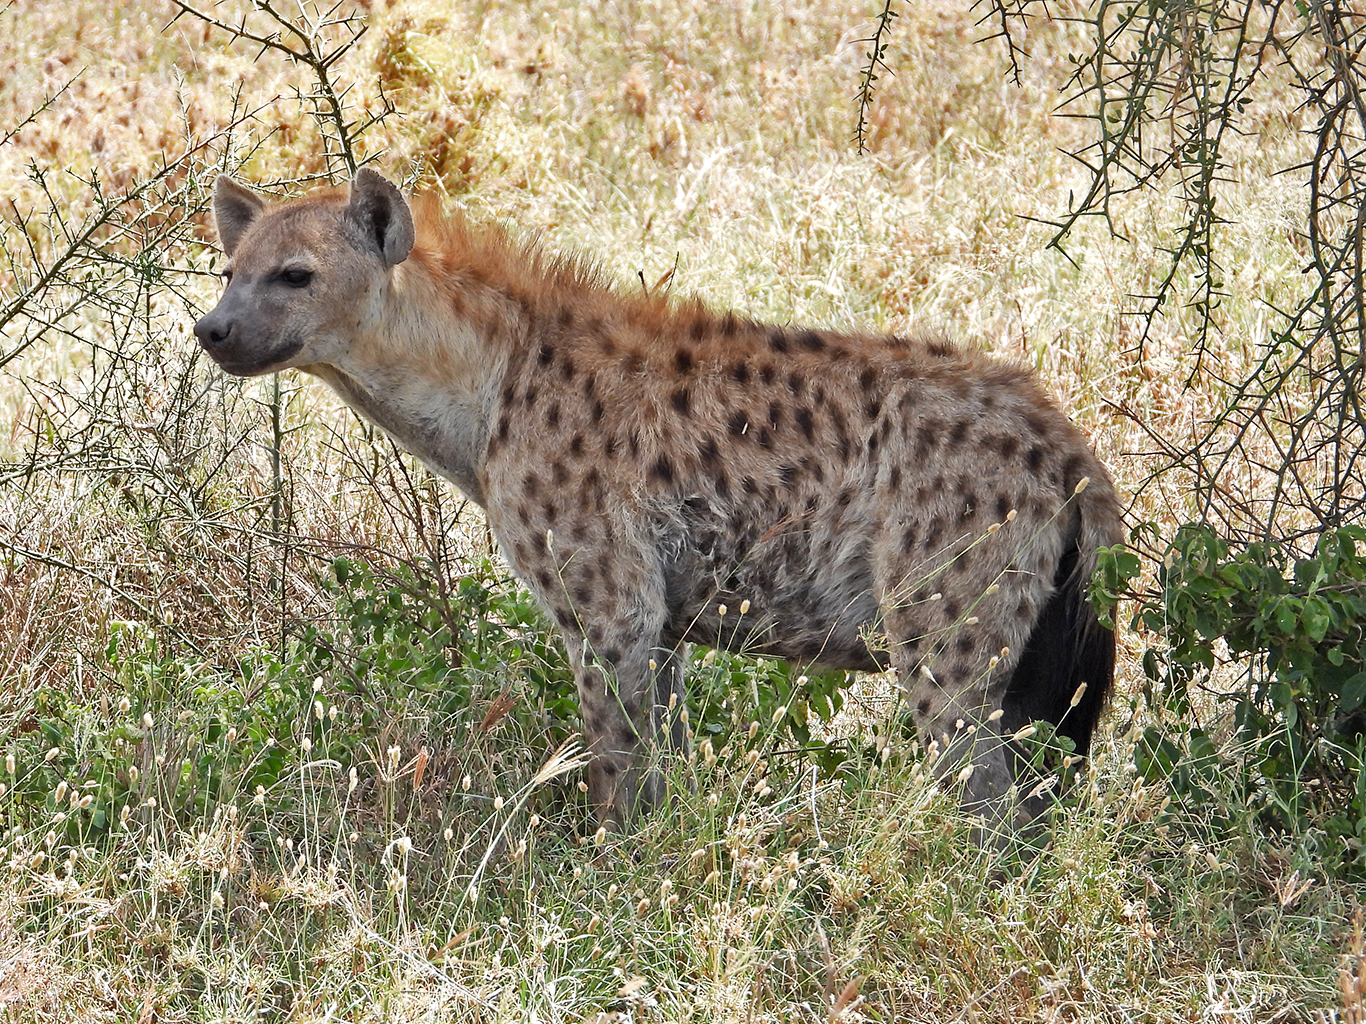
[429, 376]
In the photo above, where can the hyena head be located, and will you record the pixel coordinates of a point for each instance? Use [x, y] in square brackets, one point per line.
[304, 278]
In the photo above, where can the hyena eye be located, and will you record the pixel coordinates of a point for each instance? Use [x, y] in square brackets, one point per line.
[296, 278]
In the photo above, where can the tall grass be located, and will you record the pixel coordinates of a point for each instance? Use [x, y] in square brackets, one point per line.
[247, 779]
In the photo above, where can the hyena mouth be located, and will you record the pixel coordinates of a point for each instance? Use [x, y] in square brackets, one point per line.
[234, 363]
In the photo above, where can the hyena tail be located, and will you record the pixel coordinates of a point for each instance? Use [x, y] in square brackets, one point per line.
[1068, 646]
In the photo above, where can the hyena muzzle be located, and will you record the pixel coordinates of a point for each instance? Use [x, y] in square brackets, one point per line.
[869, 501]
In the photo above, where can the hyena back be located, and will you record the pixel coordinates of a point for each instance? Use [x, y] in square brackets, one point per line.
[867, 501]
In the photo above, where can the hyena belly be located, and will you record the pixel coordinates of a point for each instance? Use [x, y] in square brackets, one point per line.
[807, 589]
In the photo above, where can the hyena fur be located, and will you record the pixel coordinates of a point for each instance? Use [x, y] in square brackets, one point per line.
[876, 500]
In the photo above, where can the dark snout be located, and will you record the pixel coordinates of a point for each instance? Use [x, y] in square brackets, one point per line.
[215, 330]
[233, 339]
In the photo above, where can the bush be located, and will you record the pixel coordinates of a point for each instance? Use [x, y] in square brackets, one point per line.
[1293, 626]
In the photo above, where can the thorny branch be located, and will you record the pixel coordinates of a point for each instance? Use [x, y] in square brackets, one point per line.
[133, 421]
[310, 42]
[1165, 85]
[869, 75]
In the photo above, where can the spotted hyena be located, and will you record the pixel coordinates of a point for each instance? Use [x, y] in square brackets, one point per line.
[854, 500]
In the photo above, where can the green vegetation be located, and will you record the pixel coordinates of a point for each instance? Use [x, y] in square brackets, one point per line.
[280, 738]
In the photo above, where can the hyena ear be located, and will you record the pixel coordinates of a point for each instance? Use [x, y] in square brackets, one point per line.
[234, 208]
[382, 214]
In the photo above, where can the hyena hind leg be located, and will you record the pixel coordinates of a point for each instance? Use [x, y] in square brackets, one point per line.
[955, 700]
[959, 725]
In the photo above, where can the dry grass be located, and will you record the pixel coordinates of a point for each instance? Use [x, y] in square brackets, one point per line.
[140, 504]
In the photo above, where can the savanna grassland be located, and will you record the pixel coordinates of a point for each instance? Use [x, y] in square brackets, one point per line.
[281, 739]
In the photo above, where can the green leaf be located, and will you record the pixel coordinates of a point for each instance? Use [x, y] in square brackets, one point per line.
[1317, 618]
[1287, 615]
[1353, 693]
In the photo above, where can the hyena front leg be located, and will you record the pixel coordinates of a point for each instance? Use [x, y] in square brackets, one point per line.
[633, 713]
[630, 692]
[614, 698]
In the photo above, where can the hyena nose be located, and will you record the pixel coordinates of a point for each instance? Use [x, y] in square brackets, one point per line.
[212, 332]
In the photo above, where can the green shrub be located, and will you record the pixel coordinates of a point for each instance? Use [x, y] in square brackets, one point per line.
[1294, 625]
